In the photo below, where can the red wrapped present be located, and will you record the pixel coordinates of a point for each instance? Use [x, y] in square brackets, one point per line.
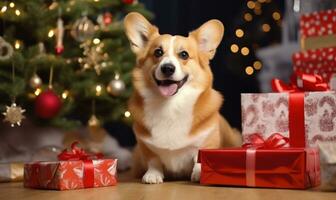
[318, 61]
[304, 117]
[261, 166]
[74, 170]
[318, 29]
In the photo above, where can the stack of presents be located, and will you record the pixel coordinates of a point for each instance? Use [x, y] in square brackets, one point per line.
[289, 135]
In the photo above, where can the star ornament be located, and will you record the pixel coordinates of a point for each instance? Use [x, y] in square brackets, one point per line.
[14, 114]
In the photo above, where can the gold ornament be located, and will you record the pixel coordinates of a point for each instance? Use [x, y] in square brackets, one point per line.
[83, 29]
[14, 115]
[6, 49]
[116, 86]
[93, 121]
[35, 81]
[94, 57]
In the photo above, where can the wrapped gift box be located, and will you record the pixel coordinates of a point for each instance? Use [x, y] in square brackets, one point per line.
[268, 113]
[328, 166]
[71, 174]
[11, 172]
[296, 168]
[318, 29]
[318, 61]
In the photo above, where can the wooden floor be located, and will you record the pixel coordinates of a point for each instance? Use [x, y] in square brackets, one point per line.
[132, 189]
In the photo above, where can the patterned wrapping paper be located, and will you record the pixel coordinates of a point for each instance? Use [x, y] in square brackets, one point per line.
[11, 172]
[67, 175]
[294, 168]
[318, 61]
[267, 113]
[318, 29]
[318, 23]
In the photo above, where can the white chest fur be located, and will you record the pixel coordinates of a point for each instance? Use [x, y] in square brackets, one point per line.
[169, 122]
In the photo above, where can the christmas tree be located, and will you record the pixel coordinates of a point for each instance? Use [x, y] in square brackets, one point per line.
[65, 62]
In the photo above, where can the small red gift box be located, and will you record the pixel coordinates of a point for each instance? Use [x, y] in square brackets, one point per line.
[318, 61]
[318, 23]
[296, 168]
[75, 170]
[318, 29]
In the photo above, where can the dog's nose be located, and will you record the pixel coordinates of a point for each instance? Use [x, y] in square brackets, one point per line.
[167, 69]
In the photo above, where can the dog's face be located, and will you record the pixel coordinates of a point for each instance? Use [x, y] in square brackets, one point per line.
[167, 63]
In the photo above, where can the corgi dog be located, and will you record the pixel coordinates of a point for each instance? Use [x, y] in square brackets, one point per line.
[174, 107]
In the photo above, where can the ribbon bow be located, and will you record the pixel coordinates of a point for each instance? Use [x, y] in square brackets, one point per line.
[275, 141]
[76, 153]
[301, 82]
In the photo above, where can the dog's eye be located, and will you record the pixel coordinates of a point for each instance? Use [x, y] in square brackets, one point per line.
[184, 55]
[158, 52]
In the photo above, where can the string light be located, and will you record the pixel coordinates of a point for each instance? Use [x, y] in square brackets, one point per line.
[96, 0]
[250, 4]
[11, 4]
[96, 41]
[53, 5]
[37, 91]
[249, 70]
[257, 11]
[127, 114]
[266, 27]
[245, 51]
[234, 48]
[239, 33]
[17, 12]
[65, 94]
[17, 44]
[98, 90]
[257, 65]
[51, 33]
[72, 3]
[3, 9]
[257, 6]
[248, 17]
[276, 15]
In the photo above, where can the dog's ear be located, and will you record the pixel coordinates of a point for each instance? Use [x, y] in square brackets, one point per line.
[209, 36]
[138, 31]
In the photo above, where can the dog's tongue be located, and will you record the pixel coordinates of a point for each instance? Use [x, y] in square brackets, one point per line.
[168, 90]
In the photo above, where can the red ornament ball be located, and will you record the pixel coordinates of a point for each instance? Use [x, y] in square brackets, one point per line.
[127, 1]
[47, 104]
[107, 18]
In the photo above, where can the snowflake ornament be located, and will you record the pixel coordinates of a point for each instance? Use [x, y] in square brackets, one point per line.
[94, 57]
[14, 114]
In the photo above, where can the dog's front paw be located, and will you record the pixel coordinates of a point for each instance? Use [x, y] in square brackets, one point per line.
[152, 177]
[196, 173]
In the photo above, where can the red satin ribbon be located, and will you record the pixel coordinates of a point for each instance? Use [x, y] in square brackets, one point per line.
[300, 82]
[76, 153]
[275, 141]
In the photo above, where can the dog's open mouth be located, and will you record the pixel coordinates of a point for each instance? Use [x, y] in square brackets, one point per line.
[170, 87]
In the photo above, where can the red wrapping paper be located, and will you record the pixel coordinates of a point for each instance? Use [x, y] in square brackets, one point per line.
[66, 175]
[318, 23]
[295, 168]
[320, 61]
